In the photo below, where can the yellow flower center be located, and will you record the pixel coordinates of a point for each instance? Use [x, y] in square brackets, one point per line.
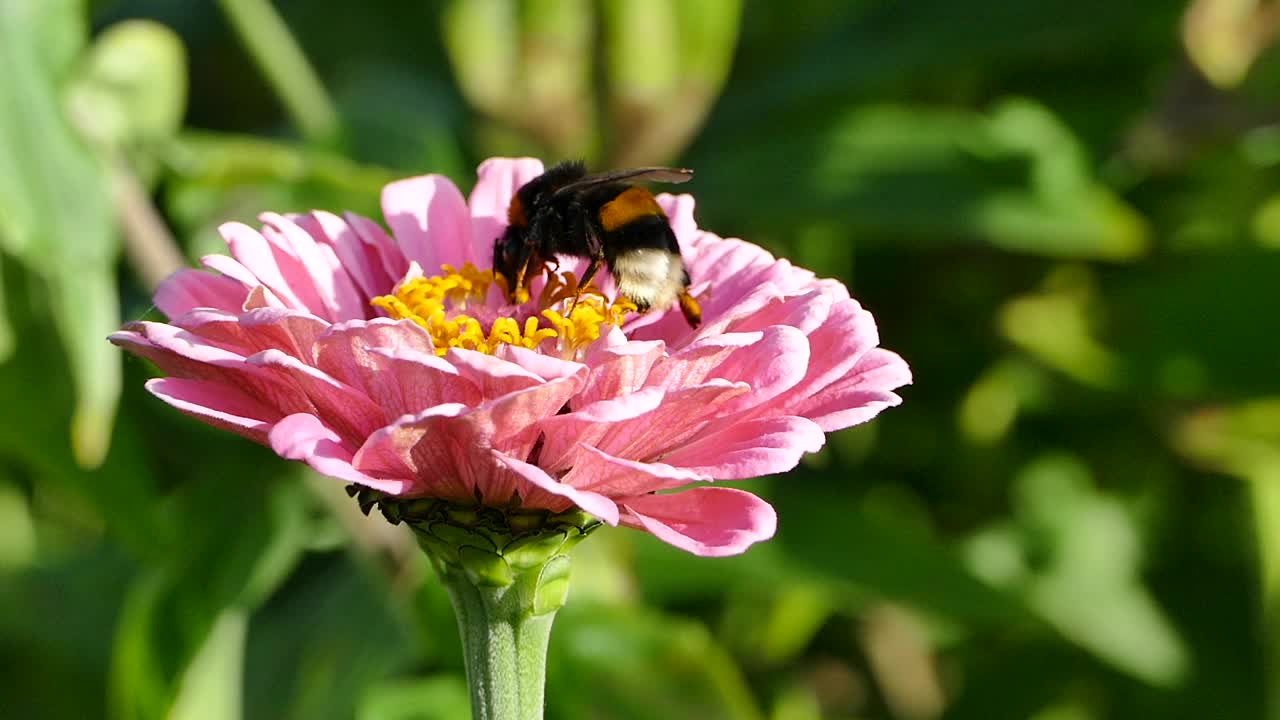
[438, 305]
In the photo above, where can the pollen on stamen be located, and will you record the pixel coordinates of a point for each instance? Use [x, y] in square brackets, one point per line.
[437, 305]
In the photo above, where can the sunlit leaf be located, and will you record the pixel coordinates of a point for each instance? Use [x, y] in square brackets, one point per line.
[211, 685]
[666, 62]
[56, 216]
[228, 561]
[837, 537]
[438, 698]
[1085, 582]
[1014, 178]
[624, 659]
[132, 86]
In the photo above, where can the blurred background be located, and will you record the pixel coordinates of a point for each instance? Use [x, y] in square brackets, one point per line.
[1065, 214]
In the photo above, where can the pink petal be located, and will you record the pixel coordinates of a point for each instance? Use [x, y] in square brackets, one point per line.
[358, 335]
[442, 450]
[497, 180]
[380, 245]
[619, 370]
[406, 382]
[771, 362]
[221, 406]
[304, 437]
[804, 312]
[839, 346]
[750, 449]
[639, 426]
[590, 422]
[261, 329]
[502, 422]
[679, 210]
[355, 258]
[594, 503]
[860, 396]
[264, 260]
[332, 285]
[706, 521]
[259, 295]
[188, 289]
[698, 360]
[348, 410]
[449, 445]
[727, 263]
[430, 220]
[392, 363]
[546, 367]
[437, 466]
[597, 470]
[493, 376]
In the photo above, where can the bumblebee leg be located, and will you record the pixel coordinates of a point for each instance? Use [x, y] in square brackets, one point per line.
[689, 308]
[593, 264]
[520, 276]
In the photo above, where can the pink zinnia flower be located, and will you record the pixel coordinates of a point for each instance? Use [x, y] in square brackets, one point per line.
[398, 365]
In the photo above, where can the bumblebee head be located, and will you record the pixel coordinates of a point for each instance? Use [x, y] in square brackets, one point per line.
[522, 246]
[511, 258]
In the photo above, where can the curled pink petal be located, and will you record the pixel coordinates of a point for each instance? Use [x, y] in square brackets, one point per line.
[303, 437]
[595, 503]
[859, 396]
[706, 521]
[595, 469]
[218, 405]
[187, 289]
[750, 449]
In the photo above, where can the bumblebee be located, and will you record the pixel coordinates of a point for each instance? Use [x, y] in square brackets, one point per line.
[605, 219]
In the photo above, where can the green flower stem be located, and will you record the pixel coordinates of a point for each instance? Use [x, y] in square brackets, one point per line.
[505, 646]
[507, 573]
[281, 60]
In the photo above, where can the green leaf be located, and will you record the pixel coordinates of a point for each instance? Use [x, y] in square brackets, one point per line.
[86, 308]
[481, 37]
[1085, 581]
[211, 685]
[641, 665]
[327, 638]
[437, 698]
[1015, 179]
[667, 62]
[56, 216]
[227, 161]
[239, 542]
[8, 341]
[41, 407]
[132, 86]
[830, 533]
[61, 28]
[56, 616]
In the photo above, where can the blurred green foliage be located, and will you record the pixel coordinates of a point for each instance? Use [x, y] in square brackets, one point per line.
[1064, 214]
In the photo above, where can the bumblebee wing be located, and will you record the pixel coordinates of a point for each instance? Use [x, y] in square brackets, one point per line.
[652, 174]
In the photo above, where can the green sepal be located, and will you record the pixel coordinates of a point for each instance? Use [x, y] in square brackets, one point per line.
[552, 587]
[484, 567]
[533, 550]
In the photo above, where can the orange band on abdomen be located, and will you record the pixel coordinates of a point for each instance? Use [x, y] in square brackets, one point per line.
[631, 204]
